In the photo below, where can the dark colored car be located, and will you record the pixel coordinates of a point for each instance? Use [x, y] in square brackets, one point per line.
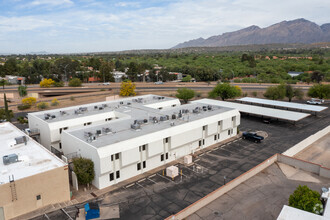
[252, 137]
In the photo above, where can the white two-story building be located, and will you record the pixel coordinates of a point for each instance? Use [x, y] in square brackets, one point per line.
[137, 134]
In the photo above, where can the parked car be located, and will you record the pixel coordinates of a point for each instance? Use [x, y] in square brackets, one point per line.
[106, 84]
[252, 137]
[159, 82]
[315, 101]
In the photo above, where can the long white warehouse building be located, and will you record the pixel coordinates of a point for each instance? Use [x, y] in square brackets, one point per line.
[136, 134]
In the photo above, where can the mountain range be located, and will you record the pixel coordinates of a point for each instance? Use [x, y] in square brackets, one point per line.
[295, 31]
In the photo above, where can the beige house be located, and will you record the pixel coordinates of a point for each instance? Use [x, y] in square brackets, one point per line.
[31, 177]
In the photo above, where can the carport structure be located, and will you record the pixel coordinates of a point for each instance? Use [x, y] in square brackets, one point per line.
[283, 105]
[258, 111]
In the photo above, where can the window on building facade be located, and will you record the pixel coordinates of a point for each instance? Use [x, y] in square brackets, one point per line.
[111, 176]
[203, 141]
[162, 157]
[138, 166]
[38, 197]
[117, 156]
[117, 174]
[200, 143]
[166, 156]
[144, 164]
[215, 137]
[228, 132]
[204, 128]
[60, 145]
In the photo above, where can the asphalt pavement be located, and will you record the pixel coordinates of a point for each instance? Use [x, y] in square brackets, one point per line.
[157, 197]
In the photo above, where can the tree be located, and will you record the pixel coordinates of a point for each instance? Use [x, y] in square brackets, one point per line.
[8, 114]
[225, 91]
[317, 76]
[186, 78]
[75, 82]
[46, 83]
[127, 88]
[84, 169]
[305, 199]
[22, 91]
[319, 91]
[185, 94]
[3, 82]
[106, 72]
[275, 92]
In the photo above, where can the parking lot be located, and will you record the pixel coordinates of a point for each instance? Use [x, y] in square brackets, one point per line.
[157, 196]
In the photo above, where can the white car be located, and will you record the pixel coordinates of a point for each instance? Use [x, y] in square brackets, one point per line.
[159, 82]
[315, 101]
[106, 84]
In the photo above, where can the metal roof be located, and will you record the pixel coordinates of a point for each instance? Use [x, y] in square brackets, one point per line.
[288, 105]
[257, 110]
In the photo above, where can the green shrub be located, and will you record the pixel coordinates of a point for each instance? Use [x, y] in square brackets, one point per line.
[55, 102]
[23, 107]
[237, 80]
[72, 98]
[42, 105]
[75, 82]
[58, 84]
[254, 94]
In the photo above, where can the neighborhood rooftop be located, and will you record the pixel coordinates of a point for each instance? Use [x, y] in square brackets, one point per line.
[21, 156]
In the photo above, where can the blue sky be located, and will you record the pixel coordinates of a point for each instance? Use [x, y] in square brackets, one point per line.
[69, 26]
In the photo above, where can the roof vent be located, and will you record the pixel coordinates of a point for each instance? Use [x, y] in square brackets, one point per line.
[107, 130]
[21, 140]
[135, 126]
[63, 112]
[9, 159]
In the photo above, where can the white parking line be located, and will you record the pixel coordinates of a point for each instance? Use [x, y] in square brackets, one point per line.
[129, 185]
[152, 175]
[152, 180]
[141, 180]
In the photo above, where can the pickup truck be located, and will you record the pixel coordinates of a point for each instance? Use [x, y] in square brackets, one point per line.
[315, 101]
[252, 137]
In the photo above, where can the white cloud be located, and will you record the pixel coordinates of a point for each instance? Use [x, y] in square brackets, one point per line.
[117, 28]
[51, 2]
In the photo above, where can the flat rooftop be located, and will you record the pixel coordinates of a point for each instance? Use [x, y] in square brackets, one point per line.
[257, 110]
[78, 111]
[156, 120]
[288, 105]
[32, 157]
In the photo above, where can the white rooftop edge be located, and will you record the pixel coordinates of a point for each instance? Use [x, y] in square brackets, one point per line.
[32, 157]
[291, 105]
[257, 110]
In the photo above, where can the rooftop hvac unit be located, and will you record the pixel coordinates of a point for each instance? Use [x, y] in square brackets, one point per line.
[46, 117]
[88, 134]
[9, 159]
[187, 159]
[195, 111]
[204, 108]
[180, 115]
[53, 116]
[104, 105]
[145, 121]
[95, 107]
[121, 103]
[128, 103]
[100, 108]
[186, 111]
[163, 118]
[154, 120]
[172, 123]
[173, 116]
[135, 126]
[209, 107]
[83, 109]
[106, 130]
[98, 132]
[77, 112]
[21, 140]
